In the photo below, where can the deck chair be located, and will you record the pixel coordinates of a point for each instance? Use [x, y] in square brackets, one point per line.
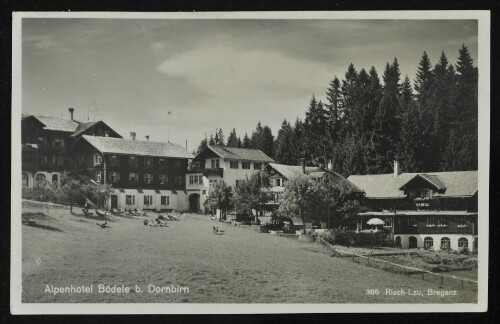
[103, 225]
[87, 213]
[100, 213]
[217, 231]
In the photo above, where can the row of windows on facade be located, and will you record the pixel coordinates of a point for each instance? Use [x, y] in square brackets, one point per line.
[55, 142]
[40, 180]
[132, 161]
[215, 164]
[445, 242]
[133, 177]
[57, 159]
[438, 221]
[148, 200]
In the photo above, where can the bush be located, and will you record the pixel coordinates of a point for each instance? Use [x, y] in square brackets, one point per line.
[358, 239]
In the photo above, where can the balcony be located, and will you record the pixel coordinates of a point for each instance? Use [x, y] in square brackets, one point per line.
[207, 171]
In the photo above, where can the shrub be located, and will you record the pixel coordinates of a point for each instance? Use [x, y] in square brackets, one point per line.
[358, 239]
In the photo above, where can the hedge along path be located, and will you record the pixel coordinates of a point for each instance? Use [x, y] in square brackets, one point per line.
[337, 252]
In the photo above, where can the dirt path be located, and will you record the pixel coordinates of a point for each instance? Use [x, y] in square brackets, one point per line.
[240, 266]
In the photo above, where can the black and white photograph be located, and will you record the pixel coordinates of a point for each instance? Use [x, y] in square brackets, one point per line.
[250, 162]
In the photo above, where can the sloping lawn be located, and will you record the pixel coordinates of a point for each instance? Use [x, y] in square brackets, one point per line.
[240, 266]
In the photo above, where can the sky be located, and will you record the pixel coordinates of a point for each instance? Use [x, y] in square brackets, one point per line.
[180, 79]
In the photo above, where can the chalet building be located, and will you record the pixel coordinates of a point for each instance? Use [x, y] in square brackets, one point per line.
[46, 146]
[215, 163]
[146, 174]
[423, 210]
[280, 173]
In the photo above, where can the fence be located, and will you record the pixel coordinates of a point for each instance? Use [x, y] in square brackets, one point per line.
[440, 278]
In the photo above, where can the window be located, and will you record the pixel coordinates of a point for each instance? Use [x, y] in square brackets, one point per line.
[463, 242]
[114, 177]
[204, 192]
[442, 221]
[25, 180]
[80, 160]
[115, 161]
[148, 178]
[130, 199]
[278, 182]
[412, 221]
[40, 180]
[163, 178]
[58, 142]
[462, 222]
[59, 160]
[54, 180]
[245, 165]
[257, 166]
[388, 222]
[132, 161]
[148, 162]
[445, 243]
[233, 164]
[162, 162]
[428, 242]
[132, 177]
[179, 179]
[98, 176]
[195, 179]
[97, 159]
[165, 200]
[177, 163]
[431, 221]
[215, 163]
[148, 200]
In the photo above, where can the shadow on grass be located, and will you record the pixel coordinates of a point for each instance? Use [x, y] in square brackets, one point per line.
[45, 227]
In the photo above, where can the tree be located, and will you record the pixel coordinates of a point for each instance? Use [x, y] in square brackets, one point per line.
[251, 194]
[71, 189]
[219, 197]
[299, 199]
[314, 129]
[203, 144]
[283, 144]
[232, 140]
[101, 192]
[246, 141]
[337, 205]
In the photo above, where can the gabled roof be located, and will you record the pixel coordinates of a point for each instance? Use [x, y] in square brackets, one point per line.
[56, 123]
[289, 171]
[232, 153]
[135, 147]
[430, 178]
[454, 184]
[82, 127]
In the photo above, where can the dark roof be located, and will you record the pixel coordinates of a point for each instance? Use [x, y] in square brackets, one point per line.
[430, 178]
[232, 153]
[57, 123]
[455, 183]
[135, 147]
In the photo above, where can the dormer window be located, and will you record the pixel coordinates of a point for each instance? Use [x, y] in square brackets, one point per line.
[97, 159]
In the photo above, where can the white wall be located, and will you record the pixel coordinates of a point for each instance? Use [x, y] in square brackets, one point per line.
[437, 240]
[176, 201]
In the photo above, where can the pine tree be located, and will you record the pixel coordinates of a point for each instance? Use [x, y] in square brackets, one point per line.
[202, 145]
[255, 140]
[314, 129]
[220, 137]
[267, 141]
[283, 144]
[246, 141]
[232, 140]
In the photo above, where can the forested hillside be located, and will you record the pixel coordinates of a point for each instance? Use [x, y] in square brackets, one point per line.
[366, 122]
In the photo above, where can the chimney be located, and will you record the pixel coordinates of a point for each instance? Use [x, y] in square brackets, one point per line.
[132, 134]
[71, 110]
[397, 171]
[147, 137]
[106, 133]
[303, 162]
